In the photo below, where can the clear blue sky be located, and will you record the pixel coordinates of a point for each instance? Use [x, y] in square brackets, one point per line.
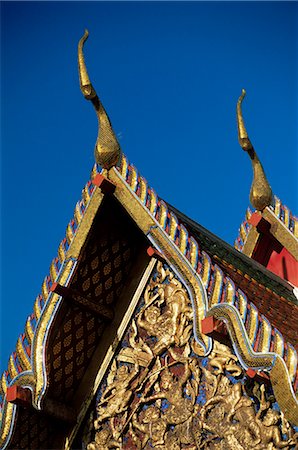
[169, 75]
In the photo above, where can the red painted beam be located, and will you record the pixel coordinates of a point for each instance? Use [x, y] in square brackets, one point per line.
[251, 373]
[72, 295]
[152, 252]
[210, 325]
[104, 184]
[283, 264]
[262, 225]
[18, 395]
[60, 290]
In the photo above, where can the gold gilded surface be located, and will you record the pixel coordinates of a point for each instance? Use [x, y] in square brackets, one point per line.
[40, 333]
[163, 214]
[253, 323]
[173, 227]
[217, 287]
[22, 355]
[36, 308]
[296, 228]
[283, 391]
[242, 232]
[191, 280]
[282, 233]
[277, 229]
[250, 242]
[277, 206]
[123, 166]
[85, 224]
[239, 334]
[287, 216]
[260, 193]
[248, 214]
[264, 344]
[44, 289]
[193, 251]
[130, 201]
[230, 415]
[239, 337]
[107, 150]
[153, 201]
[179, 400]
[278, 344]
[292, 362]
[53, 270]
[242, 305]
[7, 419]
[86, 195]
[229, 292]
[61, 252]
[8, 423]
[162, 324]
[278, 373]
[143, 189]
[29, 331]
[11, 368]
[168, 326]
[69, 233]
[183, 239]
[133, 178]
[3, 384]
[94, 171]
[206, 269]
[25, 379]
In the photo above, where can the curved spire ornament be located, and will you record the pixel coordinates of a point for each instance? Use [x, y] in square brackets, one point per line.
[107, 149]
[260, 192]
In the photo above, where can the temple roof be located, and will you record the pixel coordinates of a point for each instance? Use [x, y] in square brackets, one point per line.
[218, 264]
[117, 219]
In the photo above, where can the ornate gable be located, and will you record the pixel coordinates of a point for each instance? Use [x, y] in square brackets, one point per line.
[150, 331]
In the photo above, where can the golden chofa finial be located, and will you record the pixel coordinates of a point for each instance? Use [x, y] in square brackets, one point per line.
[107, 150]
[260, 192]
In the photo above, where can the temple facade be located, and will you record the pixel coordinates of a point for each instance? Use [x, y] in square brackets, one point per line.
[150, 331]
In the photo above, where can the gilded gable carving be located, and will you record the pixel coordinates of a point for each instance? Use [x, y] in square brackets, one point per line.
[161, 392]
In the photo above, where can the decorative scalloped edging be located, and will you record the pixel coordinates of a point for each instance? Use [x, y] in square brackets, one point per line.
[249, 358]
[20, 364]
[262, 336]
[281, 211]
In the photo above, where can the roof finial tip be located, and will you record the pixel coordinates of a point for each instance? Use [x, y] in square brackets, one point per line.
[242, 133]
[107, 149]
[260, 193]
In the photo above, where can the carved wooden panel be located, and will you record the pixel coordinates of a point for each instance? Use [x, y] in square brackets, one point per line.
[161, 392]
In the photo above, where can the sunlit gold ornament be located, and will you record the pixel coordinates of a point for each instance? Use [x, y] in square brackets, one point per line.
[107, 150]
[156, 403]
[260, 192]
